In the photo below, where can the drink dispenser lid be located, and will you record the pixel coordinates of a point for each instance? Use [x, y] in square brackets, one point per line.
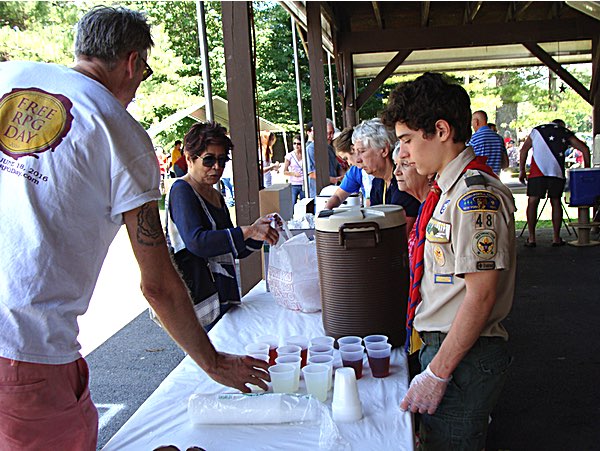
[386, 216]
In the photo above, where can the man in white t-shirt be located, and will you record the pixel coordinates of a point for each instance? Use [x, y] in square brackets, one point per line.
[75, 166]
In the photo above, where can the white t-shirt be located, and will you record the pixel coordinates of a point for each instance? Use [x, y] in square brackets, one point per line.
[72, 161]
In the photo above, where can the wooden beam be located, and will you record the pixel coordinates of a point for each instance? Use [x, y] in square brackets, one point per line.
[377, 13]
[349, 91]
[421, 38]
[595, 68]
[425, 7]
[302, 34]
[594, 89]
[242, 112]
[381, 77]
[565, 75]
[471, 11]
[317, 91]
[519, 12]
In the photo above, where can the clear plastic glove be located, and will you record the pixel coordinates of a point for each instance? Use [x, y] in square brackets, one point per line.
[425, 393]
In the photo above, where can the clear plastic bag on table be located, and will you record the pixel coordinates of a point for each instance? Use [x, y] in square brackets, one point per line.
[294, 275]
[266, 408]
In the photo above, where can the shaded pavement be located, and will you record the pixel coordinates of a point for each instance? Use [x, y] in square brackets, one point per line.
[551, 400]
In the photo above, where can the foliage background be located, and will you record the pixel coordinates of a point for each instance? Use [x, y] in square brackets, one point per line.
[43, 31]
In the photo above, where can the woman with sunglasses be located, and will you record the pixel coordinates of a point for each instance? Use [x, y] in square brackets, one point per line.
[292, 168]
[200, 233]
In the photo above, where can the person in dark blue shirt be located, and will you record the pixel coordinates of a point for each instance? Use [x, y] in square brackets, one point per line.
[200, 232]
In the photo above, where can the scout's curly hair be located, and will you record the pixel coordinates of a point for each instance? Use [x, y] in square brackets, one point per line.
[422, 102]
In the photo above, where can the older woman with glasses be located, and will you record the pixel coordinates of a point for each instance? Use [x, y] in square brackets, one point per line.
[373, 144]
[411, 182]
[200, 233]
[292, 168]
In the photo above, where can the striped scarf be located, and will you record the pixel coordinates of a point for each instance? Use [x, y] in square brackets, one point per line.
[413, 341]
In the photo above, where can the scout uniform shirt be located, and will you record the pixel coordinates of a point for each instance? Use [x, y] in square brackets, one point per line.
[472, 229]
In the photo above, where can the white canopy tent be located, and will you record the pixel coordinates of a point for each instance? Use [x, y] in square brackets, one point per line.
[198, 112]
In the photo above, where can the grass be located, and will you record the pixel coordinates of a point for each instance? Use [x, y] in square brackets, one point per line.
[541, 224]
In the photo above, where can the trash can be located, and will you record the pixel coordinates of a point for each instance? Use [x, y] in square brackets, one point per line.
[363, 270]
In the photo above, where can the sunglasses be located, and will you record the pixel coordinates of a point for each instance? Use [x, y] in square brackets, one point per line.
[147, 70]
[208, 161]
[297, 144]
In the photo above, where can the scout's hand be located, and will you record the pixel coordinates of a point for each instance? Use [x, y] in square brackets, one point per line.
[425, 393]
[523, 177]
[236, 371]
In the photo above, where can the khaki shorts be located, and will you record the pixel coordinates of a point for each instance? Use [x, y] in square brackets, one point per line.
[46, 407]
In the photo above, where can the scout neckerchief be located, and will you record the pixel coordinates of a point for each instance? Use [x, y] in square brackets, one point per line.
[413, 342]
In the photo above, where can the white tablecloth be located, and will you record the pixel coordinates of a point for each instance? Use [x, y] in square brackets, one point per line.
[163, 418]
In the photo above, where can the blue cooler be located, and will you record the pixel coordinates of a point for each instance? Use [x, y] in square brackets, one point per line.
[584, 184]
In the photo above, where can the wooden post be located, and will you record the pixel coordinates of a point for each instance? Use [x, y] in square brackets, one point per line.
[350, 118]
[317, 91]
[242, 113]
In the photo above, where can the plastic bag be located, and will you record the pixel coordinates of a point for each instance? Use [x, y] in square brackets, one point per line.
[293, 274]
[266, 408]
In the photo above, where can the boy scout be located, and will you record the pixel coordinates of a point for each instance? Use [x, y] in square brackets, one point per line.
[469, 257]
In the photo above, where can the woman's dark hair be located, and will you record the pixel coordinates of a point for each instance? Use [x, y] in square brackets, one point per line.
[422, 102]
[203, 134]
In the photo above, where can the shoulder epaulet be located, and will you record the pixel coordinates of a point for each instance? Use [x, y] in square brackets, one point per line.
[473, 177]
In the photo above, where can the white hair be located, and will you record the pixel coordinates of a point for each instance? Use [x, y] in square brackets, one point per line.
[373, 134]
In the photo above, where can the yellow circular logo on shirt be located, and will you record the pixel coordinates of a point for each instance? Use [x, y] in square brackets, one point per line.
[33, 121]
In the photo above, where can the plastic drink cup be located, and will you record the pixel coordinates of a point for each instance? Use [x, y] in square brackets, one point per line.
[302, 341]
[315, 376]
[295, 361]
[346, 405]
[375, 339]
[257, 348]
[282, 378]
[352, 356]
[273, 342]
[320, 350]
[349, 340]
[289, 350]
[324, 360]
[379, 358]
[328, 341]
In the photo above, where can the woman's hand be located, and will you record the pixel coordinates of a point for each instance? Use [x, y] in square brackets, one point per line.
[261, 230]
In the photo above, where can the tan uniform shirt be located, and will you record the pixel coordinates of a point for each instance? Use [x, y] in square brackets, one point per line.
[472, 229]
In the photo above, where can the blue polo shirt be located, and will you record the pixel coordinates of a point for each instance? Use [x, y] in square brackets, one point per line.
[488, 143]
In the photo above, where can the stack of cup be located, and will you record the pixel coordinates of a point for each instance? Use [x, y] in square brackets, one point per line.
[346, 406]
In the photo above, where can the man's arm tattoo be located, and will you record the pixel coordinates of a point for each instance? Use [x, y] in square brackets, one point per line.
[149, 231]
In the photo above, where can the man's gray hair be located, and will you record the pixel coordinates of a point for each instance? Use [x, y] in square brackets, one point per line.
[110, 33]
[396, 151]
[373, 134]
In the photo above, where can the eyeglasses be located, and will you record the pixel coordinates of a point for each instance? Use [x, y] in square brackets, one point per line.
[297, 144]
[147, 70]
[208, 161]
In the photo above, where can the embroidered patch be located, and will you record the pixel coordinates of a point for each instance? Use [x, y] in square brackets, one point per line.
[486, 266]
[484, 244]
[484, 220]
[443, 278]
[479, 201]
[438, 255]
[437, 231]
[444, 206]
